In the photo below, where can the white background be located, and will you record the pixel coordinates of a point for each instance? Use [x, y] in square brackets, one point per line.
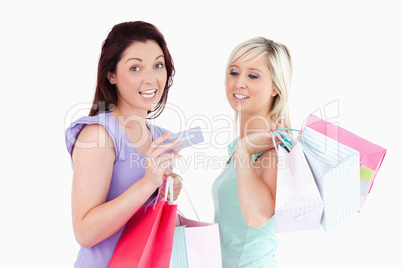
[346, 53]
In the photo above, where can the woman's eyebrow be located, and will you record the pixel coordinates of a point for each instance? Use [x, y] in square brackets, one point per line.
[140, 60]
[255, 69]
[250, 68]
[134, 59]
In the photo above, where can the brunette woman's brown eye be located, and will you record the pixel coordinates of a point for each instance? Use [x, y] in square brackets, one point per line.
[159, 66]
[135, 68]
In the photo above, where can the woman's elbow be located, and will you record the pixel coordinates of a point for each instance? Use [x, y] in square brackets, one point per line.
[258, 221]
[255, 223]
[83, 239]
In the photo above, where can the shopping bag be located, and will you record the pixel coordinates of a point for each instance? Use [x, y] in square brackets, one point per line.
[336, 171]
[196, 244]
[147, 238]
[298, 204]
[371, 155]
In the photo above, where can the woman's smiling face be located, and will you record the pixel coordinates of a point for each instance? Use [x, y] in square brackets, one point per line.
[140, 76]
[249, 86]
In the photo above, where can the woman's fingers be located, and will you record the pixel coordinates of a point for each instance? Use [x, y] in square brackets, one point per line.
[159, 140]
[277, 140]
[164, 147]
[156, 156]
[164, 162]
[176, 190]
[174, 152]
[167, 160]
[277, 125]
[158, 147]
[177, 186]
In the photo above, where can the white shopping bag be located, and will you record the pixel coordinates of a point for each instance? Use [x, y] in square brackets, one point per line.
[299, 205]
[336, 170]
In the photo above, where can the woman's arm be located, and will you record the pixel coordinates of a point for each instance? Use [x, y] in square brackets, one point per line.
[94, 219]
[256, 186]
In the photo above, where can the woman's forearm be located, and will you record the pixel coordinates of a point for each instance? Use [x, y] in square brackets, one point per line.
[104, 220]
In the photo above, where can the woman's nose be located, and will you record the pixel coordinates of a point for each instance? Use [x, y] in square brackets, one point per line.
[240, 83]
[149, 76]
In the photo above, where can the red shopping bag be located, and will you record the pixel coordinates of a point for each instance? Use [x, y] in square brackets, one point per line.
[164, 237]
[147, 238]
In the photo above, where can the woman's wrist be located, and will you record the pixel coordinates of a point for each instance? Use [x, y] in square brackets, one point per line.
[148, 184]
[242, 147]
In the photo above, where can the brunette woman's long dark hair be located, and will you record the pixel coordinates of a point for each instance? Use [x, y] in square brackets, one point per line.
[120, 37]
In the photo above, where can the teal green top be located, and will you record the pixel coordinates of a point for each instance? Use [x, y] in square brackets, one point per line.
[241, 245]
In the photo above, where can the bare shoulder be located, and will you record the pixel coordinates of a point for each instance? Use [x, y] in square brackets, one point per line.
[94, 138]
[95, 135]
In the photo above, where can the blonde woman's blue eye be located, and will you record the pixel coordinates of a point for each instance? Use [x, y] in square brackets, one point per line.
[135, 68]
[253, 76]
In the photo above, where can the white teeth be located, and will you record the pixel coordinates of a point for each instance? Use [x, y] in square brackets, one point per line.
[147, 94]
[148, 91]
[240, 97]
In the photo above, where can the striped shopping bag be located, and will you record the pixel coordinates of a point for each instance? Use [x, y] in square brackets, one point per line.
[298, 204]
[336, 170]
[179, 251]
[371, 155]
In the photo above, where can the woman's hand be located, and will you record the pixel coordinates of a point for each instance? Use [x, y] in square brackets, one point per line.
[177, 186]
[258, 142]
[158, 163]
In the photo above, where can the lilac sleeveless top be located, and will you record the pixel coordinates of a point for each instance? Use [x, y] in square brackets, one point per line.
[128, 169]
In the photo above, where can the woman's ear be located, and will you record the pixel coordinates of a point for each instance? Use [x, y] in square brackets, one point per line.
[274, 92]
[111, 77]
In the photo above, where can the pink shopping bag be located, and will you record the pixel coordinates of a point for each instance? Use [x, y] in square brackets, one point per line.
[196, 244]
[371, 155]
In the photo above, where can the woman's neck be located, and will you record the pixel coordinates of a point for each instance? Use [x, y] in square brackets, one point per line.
[130, 118]
[135, 127]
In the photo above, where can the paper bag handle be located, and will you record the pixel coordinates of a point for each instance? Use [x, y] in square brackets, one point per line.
[169, 182]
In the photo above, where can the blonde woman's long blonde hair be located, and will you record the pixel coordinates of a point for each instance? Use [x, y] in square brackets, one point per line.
[279, 63]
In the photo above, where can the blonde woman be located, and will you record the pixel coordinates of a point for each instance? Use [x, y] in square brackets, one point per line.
[258, 77]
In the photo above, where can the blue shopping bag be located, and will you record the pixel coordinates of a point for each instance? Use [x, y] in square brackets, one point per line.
[336, 170]
[179, 252]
